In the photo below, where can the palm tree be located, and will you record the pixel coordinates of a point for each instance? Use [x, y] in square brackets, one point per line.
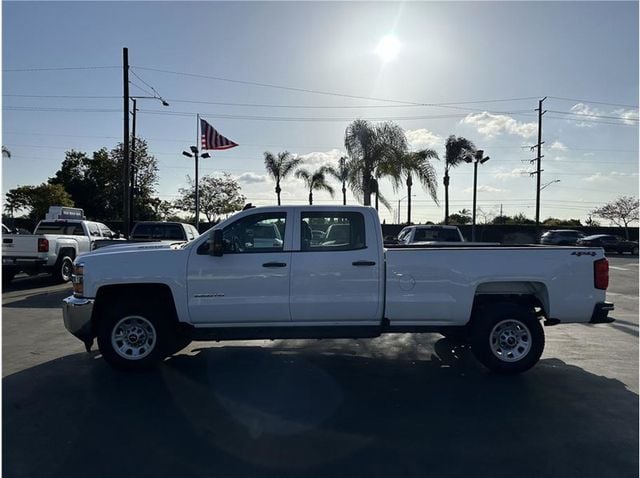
[415, 163]
[370, 147]
[280, 166]
[342, 175]
[457, 149]
[316, 181]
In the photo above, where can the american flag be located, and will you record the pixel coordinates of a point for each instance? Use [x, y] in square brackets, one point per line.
[211, 139]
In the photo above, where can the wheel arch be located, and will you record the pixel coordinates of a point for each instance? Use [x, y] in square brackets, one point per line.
[159, 294]
[528, 294]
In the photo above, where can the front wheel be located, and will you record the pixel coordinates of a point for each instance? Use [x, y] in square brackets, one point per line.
[133, 336]
[507, 339]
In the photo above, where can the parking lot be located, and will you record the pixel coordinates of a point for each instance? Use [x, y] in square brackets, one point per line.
[398, 405]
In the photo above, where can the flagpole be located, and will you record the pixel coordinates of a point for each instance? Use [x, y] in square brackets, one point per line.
[196, 154]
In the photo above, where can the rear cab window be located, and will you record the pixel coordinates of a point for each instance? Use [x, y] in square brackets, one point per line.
[341, 231]
[61, 228]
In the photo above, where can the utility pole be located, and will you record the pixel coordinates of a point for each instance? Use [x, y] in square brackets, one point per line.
[538, 161]
[125, 143]
[132, 166]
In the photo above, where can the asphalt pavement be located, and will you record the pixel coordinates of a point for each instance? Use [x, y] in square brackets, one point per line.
[411, 405]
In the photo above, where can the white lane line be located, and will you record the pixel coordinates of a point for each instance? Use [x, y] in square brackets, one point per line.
[618, 268]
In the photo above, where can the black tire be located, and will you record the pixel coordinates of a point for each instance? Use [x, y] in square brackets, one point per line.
[634, 251]
[63, 269]
[133, 335]
[507, 338]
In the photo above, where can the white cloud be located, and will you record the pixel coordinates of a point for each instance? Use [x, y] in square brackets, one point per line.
[423, 138]
[589, 154]
[584, 110]
[514, 173]
[560, 158]
[324, 158]
[598, 178]
[492, 125]
[252, 178]
[558, 146]
[629, 116]
[485, 189]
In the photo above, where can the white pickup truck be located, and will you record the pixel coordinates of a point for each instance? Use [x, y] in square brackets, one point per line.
[146, 302]
[53, 246]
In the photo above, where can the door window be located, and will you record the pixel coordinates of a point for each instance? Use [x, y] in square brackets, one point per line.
[332, 231]
[256, 233]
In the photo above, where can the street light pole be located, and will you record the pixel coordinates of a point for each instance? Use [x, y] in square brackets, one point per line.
[194, 154]
[132, 164]
[476, 159]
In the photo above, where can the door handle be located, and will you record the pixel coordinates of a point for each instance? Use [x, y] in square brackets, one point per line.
[274, 264]
[363, 263]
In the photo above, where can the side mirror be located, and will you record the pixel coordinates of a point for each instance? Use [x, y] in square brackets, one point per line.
[216, 246]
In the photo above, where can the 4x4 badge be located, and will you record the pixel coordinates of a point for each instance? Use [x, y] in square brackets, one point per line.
[580, 253]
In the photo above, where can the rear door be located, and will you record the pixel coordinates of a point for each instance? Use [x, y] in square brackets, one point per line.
[338, 277]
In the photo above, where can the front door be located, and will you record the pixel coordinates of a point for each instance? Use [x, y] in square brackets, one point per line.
[249, 283]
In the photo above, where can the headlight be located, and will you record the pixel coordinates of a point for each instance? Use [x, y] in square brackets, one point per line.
[78, 279]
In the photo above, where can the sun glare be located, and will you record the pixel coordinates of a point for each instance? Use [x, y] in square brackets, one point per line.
[388, 48]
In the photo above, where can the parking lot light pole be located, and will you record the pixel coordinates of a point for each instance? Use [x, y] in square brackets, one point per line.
[194, 154]
[477, 158]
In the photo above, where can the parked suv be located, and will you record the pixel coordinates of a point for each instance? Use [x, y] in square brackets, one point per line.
[561, 237]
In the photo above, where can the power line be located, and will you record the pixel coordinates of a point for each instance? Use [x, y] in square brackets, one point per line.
[593, 102]
[64, 68]
[582, 115]
[62, 96]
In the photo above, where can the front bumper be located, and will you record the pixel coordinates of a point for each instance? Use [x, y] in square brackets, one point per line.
[600, 313]
[76, 313]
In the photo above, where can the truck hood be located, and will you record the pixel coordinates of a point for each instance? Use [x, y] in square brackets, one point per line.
[136, 247]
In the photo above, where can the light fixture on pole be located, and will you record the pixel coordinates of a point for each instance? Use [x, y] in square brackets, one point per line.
[475, 159]
[132, 167]
[194, 154]
[399, 201]
[549, 184]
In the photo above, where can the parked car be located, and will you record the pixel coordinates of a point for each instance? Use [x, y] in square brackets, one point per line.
[610, 243]
[429, 233]
[144, 303]
[561, 237]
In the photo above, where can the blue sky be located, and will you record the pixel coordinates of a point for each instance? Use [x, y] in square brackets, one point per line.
[582, 55]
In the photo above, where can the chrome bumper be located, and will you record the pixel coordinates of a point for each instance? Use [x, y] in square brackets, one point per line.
[76, 313]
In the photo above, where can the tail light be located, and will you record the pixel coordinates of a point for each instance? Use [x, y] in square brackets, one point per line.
[43, 245]
[601, 274]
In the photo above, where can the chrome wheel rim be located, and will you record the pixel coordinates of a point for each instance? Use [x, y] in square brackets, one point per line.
[510, 340]
[133, 337]
[67, 270]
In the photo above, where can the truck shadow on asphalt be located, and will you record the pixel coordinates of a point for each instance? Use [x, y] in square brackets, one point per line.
[289, 410]
[51, 299]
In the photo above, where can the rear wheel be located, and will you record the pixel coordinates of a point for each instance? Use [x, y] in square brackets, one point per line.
[507, 338]
[63, 269]
[133, 335]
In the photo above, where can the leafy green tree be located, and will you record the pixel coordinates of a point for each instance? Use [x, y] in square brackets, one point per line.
[218, 196]
[622, 212]
[280, 166]
[96, 183]
[36, 200]
[460, 218]
[371, 149]
[555, 222]
[457, 150]
[315, 181]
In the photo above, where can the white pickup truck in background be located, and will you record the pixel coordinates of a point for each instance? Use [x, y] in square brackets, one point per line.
[55, 243]
[145, 303]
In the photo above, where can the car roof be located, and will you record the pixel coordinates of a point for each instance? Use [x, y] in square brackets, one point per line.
[598, 236]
